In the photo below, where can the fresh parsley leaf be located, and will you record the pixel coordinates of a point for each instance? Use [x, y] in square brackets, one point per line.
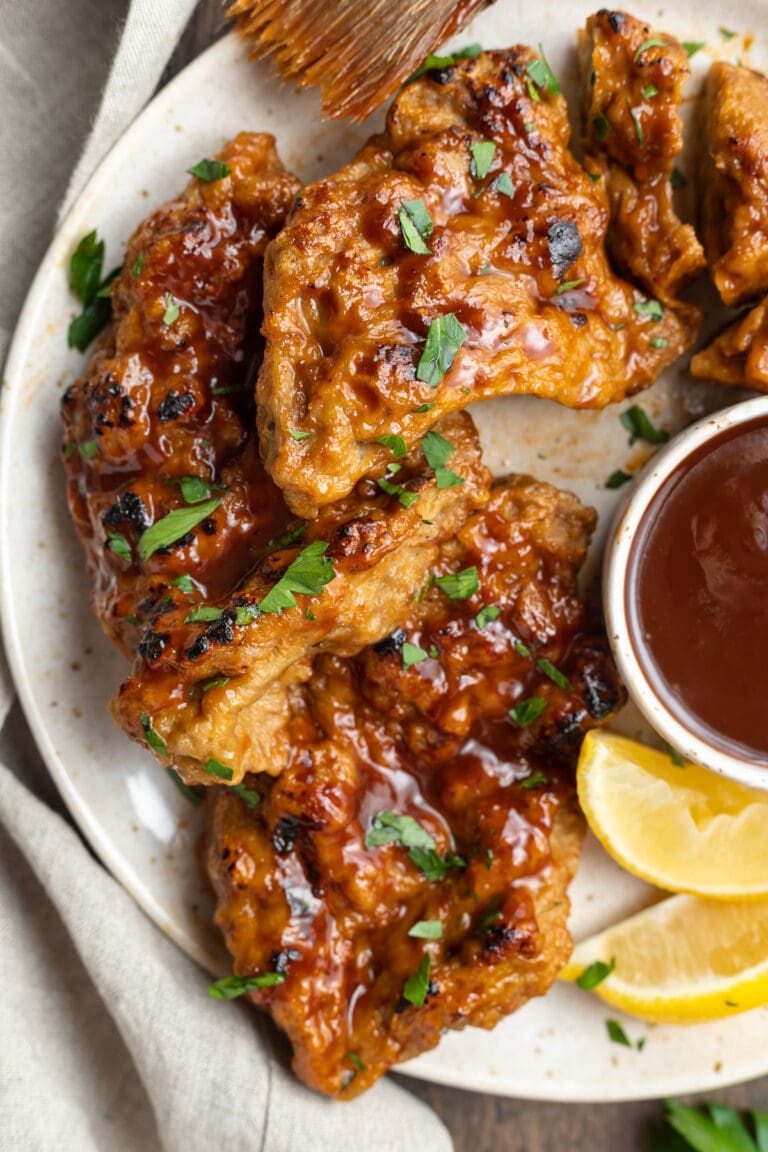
[309, 614]
[446, 478]
[437, 450]
[654, 309]
[171, 314]
[595, 974]
[534, 95]
[306, 576]
[172, 527]
[246, 614]
[119, 545]
[526, 711]
[357, 1062]
[89, 449]
[138, 266]
[486, 615]
[412, 654]
[188, 793]
[445, 337]
[659, 342]
[105, 288]
[406, 498]
[434, 652]
[727, 35]
[459, 585]
[693, 46]
[232, 986]
[653, 43]
[617, 1033]
[570, 285]
[296, 435]
[433, 865]
[601, 127]
[554, 674]
[522, 649]
[417, 985]
[424, 407]
[85, 267]
[482, 152]
[536, 779]
[290, 536]
[636, 122]
[617, 479]
[434, 62]
[214, 768]
[194, 489]
[503, 184]
[203, 612]
[649, 92]
[84, 329]
[427, 930]
[155, 742]
[396, 445]
[389, 828]
[217, 682]
[250, 798]
[415, 226]
[542, 75]
[69, 448]
[639, 426]
[594, 176]
[209, 170]
[184, 584]
[674, 756]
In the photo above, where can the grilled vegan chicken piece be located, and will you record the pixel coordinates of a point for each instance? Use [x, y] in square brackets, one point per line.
[185, 533]
[735, 175]
[459, 256]
[407, 872]
[735, 215]
[633, 79]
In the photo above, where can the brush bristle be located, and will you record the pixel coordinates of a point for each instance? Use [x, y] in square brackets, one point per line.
[358, 51]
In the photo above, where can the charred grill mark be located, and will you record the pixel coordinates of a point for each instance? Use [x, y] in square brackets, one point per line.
[285, 834]
[174, 405]
[152, 644]
[391, 645]
[565, 245]
[128, 507]
[279, 961]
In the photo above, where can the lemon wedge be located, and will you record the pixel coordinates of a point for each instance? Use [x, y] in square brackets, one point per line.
[675, 825]
[681, 961]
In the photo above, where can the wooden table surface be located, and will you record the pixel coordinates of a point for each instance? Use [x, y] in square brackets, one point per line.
[481, 1123]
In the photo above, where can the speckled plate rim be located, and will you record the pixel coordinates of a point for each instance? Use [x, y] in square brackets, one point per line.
[566, 1018]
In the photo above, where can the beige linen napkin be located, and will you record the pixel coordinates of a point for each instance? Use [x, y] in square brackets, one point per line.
[108, 1040]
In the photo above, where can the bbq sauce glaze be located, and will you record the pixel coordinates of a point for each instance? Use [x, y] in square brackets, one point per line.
[697, 592]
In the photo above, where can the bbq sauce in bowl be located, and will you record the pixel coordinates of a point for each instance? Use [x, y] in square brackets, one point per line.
[697, 592]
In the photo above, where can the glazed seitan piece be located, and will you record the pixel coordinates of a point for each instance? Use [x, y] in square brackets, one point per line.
[633, 79]
[460, 256]
[408, 870]
[739, 355]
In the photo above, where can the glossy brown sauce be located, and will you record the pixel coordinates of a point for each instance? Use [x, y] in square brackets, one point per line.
[697, 592]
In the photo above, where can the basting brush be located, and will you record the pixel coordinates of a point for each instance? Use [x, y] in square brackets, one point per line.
[358, 51]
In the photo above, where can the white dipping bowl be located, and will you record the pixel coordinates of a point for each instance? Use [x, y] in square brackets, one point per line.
[661, 712]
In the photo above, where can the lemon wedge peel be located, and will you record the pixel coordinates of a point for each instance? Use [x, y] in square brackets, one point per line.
[679, 827]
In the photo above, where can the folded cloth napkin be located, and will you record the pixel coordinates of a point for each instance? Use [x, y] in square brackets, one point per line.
[108, 1041]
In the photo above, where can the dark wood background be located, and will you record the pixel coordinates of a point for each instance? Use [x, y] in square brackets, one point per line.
[490, 1123]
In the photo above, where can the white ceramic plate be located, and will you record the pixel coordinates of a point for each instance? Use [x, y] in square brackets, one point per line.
[66, 671]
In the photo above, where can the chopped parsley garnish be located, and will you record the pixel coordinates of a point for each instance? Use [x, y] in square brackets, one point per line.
[653, 43]
[437, 452]
[434, 652]
[309, 614]
[424, 407]
[246, 614]
[674, 756]
[445, 336]
[459, 585]
[417, 985]
[595, 974]
[194, 489]
[601, 126]
[396, 445]
[172, 527]
[522, 649]
[529, 126]
[89, 449]
[412, 654]
[203, 613]
[188, 793]
[637, 124]
[659, 342]
[503, 184]
[232, 986]
[306, 576]
[617, 479]
[184, 584]
[678, 179]
[434, 62]
[296, 435]
[406, 498]
[483, 152]
[155, 742]
[594, 176]
[570, 285]
[427, 930]
[542, 75]
[69, 448]
[357, 1062]
[132, 620]
[209, 170]
[536, 779]
[726, 33]
[138, 265]
[85, 268]
[119, 545]
[617, 1033]
[389, 828]
[290, 536]
[527, 711]
[217, 682]
[486, 615]
[433, 865]
[415, 226]
[693, 46]
[654, 309]
[554, 674]
[639, 426]
[534, 95]
[649, 92]
[171, 314]
[215, 768]
[250, 798]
